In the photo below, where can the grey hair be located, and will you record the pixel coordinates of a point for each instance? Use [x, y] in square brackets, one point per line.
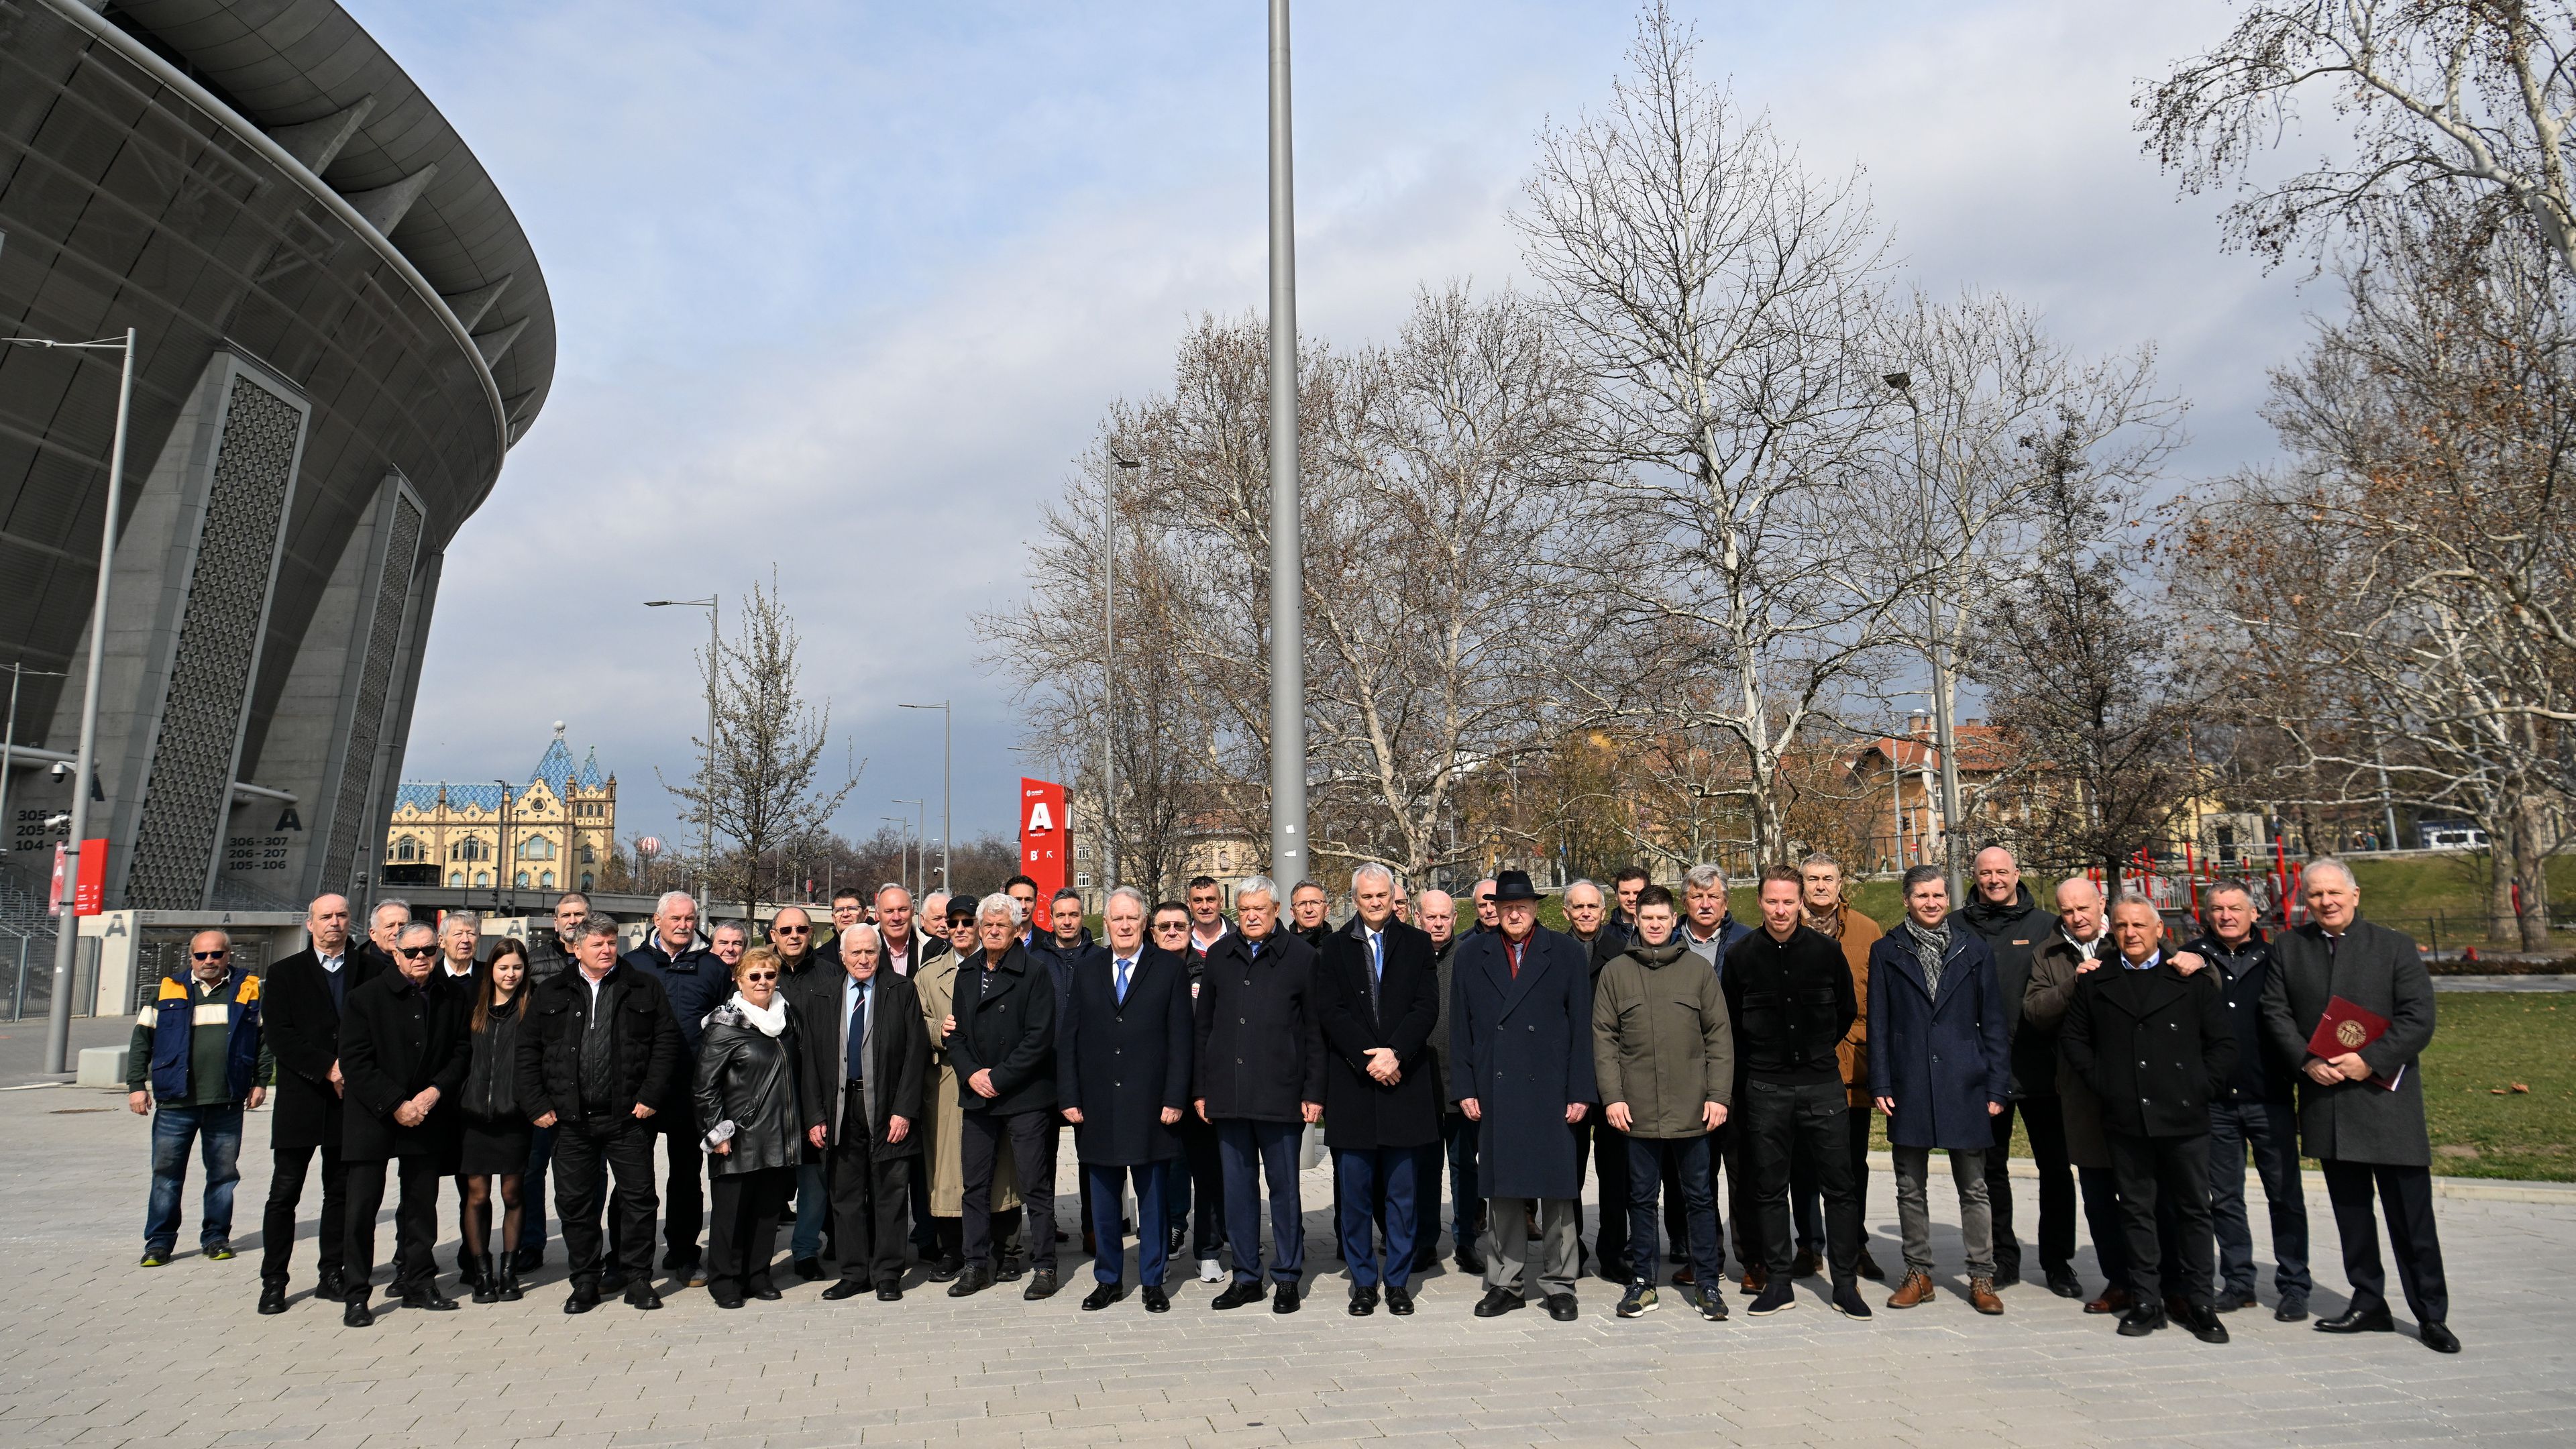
[2332, 863]
[1702, 876]
[411, 926]
[1372, 871]
[664, 903]
[2137, 898]
[1820, 858]
[1127, 893]
[1257, 885]
[461, 918]
[2231, 884]
[1308, 885]
[729, 924]
[850, 936]
[1588, 883]
[597, 923]
[376, 917]
[999, 903]
[1922, 873]
[195, 936]
[893, 885]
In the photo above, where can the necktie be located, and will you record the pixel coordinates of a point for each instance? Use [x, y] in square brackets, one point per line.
[858, 1071]
[1125, 965]
[1377, 966]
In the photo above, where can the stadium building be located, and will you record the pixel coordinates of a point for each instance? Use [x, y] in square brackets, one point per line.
[342, 331]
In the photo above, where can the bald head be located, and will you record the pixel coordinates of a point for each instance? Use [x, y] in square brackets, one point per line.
[2079, 908]
[1437, 913]
[1998, 876]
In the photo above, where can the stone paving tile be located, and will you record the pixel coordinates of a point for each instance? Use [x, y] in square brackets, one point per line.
[175, 1359]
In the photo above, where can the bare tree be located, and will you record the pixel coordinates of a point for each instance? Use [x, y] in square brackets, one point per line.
[756, 783]
[2469, 98]
[1723, 301]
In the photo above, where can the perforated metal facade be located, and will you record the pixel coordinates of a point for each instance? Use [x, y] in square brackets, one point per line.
[350, 819]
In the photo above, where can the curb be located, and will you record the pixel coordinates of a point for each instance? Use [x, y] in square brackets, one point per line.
[2466, 1189]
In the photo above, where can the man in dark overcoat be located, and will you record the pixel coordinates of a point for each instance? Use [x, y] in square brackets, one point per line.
[303, 998]
[2361, 1112]
[1123, 1054]
[1259, 1069]
[1376, 1002]
[866, 1060]
[1520, 1043]
[1941, 1071]
[403, 1053]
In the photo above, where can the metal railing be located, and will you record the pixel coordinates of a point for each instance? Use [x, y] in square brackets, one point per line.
[28, 959]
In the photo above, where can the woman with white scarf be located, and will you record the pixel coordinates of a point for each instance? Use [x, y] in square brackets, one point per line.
[756, 1117]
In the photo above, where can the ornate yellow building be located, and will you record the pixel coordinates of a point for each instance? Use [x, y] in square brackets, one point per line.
[554, 833]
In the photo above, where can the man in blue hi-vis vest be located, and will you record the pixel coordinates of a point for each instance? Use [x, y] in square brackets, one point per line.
[195, 1055]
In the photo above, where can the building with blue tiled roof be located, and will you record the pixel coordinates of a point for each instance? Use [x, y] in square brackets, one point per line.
[555, 832]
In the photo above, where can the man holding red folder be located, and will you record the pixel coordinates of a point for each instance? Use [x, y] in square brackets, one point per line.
[2361, 1108]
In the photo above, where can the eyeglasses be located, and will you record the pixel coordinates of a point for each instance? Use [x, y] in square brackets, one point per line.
[760, 976]
[1171, 925]
[791, 930]
[416, 952]
[208, 955]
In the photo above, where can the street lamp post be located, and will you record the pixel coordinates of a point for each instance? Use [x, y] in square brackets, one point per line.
[947, 764]
[9, 745]
[714, 605]
[1287, 574]
[1943, 685]
[58, 1011]
[905, 821]
[501, 866]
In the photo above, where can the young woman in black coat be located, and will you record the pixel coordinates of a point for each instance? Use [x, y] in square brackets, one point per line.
[496, 1131]
[757, 1120]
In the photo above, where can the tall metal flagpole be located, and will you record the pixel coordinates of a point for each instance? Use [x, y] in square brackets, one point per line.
[58, 1011]
[1287, 575]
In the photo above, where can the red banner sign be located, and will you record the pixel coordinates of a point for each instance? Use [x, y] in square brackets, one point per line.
[91, 897]
[1042, 836]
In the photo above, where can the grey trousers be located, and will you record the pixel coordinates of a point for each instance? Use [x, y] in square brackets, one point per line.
[1507, 1239]
[1914, 1208]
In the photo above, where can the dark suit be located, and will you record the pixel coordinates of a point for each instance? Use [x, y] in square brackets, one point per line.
[867, 1175]
[1941, 1056]
[2363, 1135]
[396, 1041]
[1520, 1046]
[1257, 1061]
[1378, 1131]
[1006, 1025]
[1122, 1061]
[301, 1006]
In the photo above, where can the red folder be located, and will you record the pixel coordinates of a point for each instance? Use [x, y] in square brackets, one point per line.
[2346, 1027]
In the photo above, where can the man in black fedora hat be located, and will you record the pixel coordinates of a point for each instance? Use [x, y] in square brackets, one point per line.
[1521, 1039]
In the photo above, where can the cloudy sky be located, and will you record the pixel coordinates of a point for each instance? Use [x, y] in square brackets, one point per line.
[843, 288]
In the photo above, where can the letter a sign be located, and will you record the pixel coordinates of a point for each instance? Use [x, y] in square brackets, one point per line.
[1042, 836]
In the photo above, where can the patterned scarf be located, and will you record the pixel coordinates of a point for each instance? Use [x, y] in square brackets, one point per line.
[1931, 944]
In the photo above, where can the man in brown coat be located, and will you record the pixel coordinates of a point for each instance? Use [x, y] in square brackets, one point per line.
[1829, 914]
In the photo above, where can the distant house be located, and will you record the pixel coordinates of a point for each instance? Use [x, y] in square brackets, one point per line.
[1901, 776]
[554, 833]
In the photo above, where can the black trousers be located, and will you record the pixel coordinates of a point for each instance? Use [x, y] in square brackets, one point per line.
[871, 1196]
[2165, 1175]
[587, 1151]
[1032, 1137]
[1780, 1120]
[2046, 1127]
[285, 1193]
[2407, 1195]
[745, 1231]
[1806, 1190]
[1205, 1189]
[1607, 1147]
[1731, 1154]
[415, 1224]
[683, 1204]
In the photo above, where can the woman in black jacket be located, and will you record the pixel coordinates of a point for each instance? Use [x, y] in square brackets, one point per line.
[756, 1122]
[496, 1131]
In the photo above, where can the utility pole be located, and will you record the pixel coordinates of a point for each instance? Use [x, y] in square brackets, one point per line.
[714, 605]
[1287, 549]
[1944, 684]
[947, 777]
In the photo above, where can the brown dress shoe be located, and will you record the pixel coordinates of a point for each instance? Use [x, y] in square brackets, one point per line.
[1803, 1266]
[1981, 1293]
[2113, 1300]
[1916, 1288]
[1756, 1278]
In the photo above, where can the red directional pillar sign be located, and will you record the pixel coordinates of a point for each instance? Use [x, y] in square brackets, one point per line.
[90, 897]
[1042, 836]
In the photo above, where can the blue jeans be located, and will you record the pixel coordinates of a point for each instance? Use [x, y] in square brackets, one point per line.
[1366, 1175]
[1467, 1196]
[813, 1210]
[1690, 1155]
[2270, 1129]
[1247, 1152]
[1101, 1184]
[216, 1131]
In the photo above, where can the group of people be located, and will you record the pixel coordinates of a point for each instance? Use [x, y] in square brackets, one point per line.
[903, 1091]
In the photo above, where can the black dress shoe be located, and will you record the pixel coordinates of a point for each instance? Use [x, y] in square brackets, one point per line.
[2066, 1285]
[2203, 1323]
[1869, 1268]
[1399, 1301]
[1363, 1302]
[2231, 1299]
[1102, 1296]
[762, 1289]
[2355, 1320]
[1239, 1295]
[640, 1294]
[890, 1293]
[1561, 1307]
[357, 1315]
[612, 1280]
[272, 1298]
[810, 1269]
[2438, 1337]
[843, 1289]
[1497, 1302]
[428, 1299]
[1285, 1298]
[971, 1279]
[1156, 1300]
[585, 1296]
[2142, 1319]
[1424, 1262]
[1042, 1284]
[2292, 1310]
[332, 1285]
[725, 1295]
[529, 1260]
[948, 1266]
[1471, 1262]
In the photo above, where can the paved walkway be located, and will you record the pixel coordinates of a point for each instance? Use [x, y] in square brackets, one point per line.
[103, 1353]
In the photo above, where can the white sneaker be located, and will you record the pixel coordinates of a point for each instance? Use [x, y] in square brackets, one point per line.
[1210, 1271]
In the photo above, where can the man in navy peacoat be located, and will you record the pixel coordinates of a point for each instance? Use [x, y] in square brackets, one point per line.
[1123, 1081]
[1376, 1001]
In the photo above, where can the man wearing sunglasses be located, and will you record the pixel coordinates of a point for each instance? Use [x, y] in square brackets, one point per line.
[195, 1052]
[792, 932]
[403, 1051]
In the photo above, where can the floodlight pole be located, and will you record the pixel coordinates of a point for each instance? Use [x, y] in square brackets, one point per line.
[1288, 861]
